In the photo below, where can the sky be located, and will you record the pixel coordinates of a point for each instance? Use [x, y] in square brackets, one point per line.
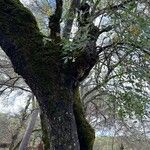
[51, 2]
[13, 103]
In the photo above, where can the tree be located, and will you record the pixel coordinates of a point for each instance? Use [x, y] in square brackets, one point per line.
[54, 66]
[26, 138]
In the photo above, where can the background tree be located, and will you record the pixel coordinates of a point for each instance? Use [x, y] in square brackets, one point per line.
[70, 60]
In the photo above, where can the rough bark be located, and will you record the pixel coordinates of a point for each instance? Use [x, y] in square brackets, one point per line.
[58, 109]
[86, 133]
[45, 132]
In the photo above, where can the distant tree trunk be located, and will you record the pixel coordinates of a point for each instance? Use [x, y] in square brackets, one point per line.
[28, 132]
[121, 146]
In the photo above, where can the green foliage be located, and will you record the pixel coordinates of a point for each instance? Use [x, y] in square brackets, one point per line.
[132, 24]
[73, 49]
[121, 78]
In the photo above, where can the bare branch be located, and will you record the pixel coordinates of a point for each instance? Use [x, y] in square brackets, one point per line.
[113, 7]
[15, 87]
[71, 14]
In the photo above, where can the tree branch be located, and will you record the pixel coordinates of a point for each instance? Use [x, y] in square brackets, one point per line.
[113, 7]
[15, 87]
[54, 22]
[18, 31]
[21, 39]
[146, 51]
[90, 54]
[71, 14]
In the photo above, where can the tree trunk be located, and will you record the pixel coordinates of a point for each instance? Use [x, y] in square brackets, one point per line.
[86, 134]
[59, 128]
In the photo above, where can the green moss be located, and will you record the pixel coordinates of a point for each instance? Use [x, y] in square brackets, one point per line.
[86, 133]
[19, 25]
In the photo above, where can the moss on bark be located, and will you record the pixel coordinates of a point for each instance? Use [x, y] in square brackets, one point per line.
[86, 133]
[19, 27]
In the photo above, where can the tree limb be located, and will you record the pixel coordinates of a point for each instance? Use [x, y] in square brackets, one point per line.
[113, 7]
[89, 55]
[20, 38]
[54, 22]
[138, 46]
[71, 14]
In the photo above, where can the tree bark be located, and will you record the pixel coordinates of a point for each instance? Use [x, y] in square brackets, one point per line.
[60, 122]
[45, 132]
[86, 133]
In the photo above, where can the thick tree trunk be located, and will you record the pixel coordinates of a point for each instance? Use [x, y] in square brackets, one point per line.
[59, 127]
[86, 134]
